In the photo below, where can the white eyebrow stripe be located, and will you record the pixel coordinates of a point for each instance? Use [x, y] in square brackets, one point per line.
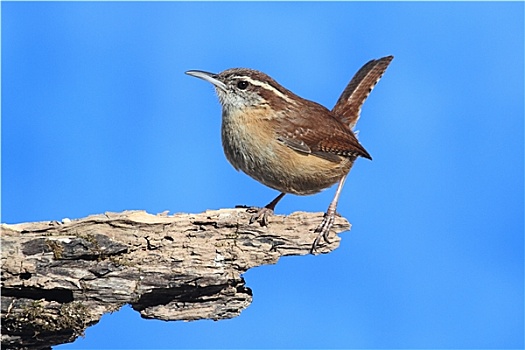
[266, 86]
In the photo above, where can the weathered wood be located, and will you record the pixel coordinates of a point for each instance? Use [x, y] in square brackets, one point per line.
[60, 277]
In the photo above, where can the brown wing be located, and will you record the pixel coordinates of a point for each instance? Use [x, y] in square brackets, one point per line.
[316, 131]
[348, 107]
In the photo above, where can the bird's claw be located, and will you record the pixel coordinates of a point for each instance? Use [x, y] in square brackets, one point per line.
[323, 231]
[260, 214]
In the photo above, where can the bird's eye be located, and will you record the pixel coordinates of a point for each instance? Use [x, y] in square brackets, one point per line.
[242, 84]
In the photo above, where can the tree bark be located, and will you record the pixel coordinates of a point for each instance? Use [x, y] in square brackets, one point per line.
[58, 278]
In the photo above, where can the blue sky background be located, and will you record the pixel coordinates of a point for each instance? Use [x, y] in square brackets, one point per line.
[98, 115]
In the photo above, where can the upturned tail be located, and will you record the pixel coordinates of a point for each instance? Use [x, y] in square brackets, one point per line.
[348, 107]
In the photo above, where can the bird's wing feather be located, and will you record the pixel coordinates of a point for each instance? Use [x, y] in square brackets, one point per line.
[330, 138]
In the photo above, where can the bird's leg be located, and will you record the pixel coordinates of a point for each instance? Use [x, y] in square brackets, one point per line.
[261, 214]
[328, 220]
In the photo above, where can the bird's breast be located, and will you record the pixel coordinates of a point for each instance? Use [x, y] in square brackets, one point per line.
[250, 144]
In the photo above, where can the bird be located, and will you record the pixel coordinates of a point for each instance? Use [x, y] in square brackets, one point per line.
[288, 143]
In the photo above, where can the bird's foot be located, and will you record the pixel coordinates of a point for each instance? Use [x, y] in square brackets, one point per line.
[323, 230]
[260, 214]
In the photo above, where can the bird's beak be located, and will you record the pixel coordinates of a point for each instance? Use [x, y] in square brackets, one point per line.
[210, 77]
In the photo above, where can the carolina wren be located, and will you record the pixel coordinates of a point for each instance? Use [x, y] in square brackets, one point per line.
[286, 142]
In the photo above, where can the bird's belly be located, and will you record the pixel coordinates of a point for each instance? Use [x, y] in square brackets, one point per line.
[297, 173]
[275, 165]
